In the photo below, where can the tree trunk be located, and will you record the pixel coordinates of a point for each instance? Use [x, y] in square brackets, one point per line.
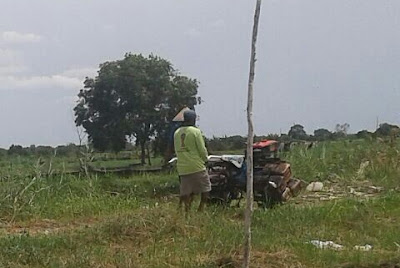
[143, 152]
[250, 140]
[148, 154]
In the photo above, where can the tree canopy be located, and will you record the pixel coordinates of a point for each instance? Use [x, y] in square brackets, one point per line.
[297, 132]
[135, 97]
[322, 134]
[386, 129]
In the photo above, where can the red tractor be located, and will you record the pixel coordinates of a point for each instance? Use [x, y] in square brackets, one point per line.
[273, 180]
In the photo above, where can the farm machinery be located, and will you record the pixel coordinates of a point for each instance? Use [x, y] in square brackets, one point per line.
[273, 180]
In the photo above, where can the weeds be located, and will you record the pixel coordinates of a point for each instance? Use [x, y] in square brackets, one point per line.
[133, 221]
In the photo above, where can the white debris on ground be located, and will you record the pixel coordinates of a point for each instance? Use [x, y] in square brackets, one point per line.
[326, 244]
[336, 189]
[315, 186]
[332, 245]
[367, 247]
[361, 170]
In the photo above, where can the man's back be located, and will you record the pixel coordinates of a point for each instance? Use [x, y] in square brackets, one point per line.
[190, 150]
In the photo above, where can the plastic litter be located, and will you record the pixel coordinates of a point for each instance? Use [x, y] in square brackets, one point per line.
[366, 247]
[326, 244]
[315, 186]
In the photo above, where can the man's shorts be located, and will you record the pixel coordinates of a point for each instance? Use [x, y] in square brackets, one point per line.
[195, 183]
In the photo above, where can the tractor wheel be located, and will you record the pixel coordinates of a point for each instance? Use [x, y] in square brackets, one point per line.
[227, 199]
[268, 200]
[223, 199]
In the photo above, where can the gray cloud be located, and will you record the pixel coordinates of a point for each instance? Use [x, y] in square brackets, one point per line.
[319, 62]
[10, 62]
[39, 82]
[193, 32]
[16, 37]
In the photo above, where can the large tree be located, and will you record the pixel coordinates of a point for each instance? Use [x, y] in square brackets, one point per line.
[297, 132]
[386, 129]
[322, 134]
[133, 97]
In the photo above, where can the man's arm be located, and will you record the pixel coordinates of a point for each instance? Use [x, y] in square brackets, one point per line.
[201, 146]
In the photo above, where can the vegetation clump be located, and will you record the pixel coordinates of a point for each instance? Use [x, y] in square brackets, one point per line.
[109, 221]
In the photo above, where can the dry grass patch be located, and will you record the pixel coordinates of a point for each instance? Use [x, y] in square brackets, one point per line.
[261, 259]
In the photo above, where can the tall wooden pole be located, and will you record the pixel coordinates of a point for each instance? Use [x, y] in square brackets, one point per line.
[250, 140]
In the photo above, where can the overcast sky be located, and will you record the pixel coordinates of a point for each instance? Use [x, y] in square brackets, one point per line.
[320, 62]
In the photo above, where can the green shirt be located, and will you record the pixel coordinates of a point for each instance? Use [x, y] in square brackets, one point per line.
[190, 150]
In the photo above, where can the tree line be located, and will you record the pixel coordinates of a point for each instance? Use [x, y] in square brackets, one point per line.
[132, 101]
[297, 133]
[135, 99]
[216, 144]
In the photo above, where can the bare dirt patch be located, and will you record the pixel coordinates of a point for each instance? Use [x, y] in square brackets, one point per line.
[259, 259]
[46, 226]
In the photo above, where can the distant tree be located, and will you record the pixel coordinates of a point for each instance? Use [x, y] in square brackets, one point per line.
[386, 129]
[267, 137]
[342, 128]
[364, 134]
[3, 152]
[236, 142]
[17, 150]
[216, 144]
[44, 150]
[133, 97]
[297, 132]
[284, 138]
[67, 150]
[341, 131]
[322, 134]
[32, 149]
[226, 143]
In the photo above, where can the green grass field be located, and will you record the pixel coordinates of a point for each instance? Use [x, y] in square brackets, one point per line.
[108, 221]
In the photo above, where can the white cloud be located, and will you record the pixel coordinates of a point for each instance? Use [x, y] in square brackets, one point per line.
[8, 56]
[80, 72]
[193, 32]
[71, 79]
[11, 82]
[12, 69]
[11, 62]
[16, 37]
[218, 24]
[108, 27]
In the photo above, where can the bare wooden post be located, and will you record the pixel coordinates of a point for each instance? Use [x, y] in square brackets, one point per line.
[250, 140]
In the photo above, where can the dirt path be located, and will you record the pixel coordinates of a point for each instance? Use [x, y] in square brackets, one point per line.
[46, 226]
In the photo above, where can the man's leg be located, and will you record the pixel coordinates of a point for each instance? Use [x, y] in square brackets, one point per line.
[205, 188]
[203, 201]
[180, 202]
[187, 200]
[186, 195]
[180, 196]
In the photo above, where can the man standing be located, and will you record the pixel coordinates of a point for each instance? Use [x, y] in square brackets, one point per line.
[192, 157]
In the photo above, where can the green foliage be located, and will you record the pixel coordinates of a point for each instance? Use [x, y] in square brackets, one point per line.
[342, 159]
[386, 129]
[136, 96]
[226, 143]
[364, 134]
[17, 150]
[297, 132]
[322, 134]
[342, 129]
[109, 221]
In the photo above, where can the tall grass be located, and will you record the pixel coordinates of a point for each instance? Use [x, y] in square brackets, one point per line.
[342, 160]
[66, 221]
